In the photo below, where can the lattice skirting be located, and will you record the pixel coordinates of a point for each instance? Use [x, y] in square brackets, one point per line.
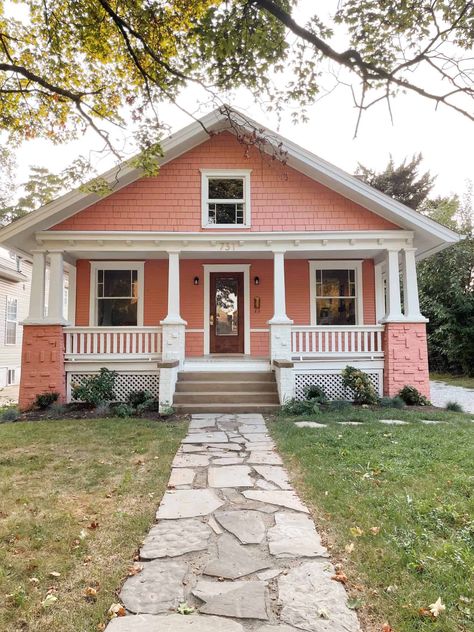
[331, 383]
[125, 383]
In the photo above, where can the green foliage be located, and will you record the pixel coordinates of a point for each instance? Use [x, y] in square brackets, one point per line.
[295, 407]
[361, 386]
[315, 393]
[96, 389]
[138, 398]
[43, 400]
[454, 407]
[57, 410]
[10, 414]
[337, 405]
[123, 410]
[412, 396]
[392, 402]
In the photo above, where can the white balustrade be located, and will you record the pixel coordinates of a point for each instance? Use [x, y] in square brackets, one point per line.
[117, 342]
[360, 341]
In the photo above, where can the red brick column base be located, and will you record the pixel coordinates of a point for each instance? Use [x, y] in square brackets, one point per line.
[42, 363]
[406, 358]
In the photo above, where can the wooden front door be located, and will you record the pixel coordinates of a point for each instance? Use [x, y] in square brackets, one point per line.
[226, 322]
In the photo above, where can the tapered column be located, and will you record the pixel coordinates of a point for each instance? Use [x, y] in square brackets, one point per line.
[410, 287]
[37, 295]
[394, 306]
[56, 289]
[173, 326]
[280, 324]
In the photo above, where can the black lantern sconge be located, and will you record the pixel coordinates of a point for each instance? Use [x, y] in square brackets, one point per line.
[196, 280]
[256, 280]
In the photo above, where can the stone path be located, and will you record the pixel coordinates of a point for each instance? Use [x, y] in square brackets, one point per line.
[442, 393]
[234, 542]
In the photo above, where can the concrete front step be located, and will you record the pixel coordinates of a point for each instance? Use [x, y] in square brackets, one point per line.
[219, 397]
[222, 386]
[226, 376]
[226, 408]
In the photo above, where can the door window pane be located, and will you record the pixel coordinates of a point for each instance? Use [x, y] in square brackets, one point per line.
[227, 321]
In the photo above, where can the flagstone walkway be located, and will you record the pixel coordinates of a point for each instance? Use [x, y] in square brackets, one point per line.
[234, 542]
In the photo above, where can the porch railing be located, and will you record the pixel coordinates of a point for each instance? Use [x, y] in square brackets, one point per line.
[108, 342]
[360, 341]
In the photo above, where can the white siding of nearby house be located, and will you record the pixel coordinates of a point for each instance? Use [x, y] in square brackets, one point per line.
[10, 355]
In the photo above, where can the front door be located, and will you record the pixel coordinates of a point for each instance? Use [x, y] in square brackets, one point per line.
[226, 322]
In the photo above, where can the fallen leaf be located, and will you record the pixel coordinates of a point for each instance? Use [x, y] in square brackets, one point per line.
[116, 610]
[340, 576]
[33, 580]
[87, 559]
[437, 607]
[55, 574]
[387, 628]
[357, 532]
[135, 569]
[49, 600]
[375, 530]
[100, 627]
[83, 534]
[424, 612]
[323, 613]
[93, 525]
[90, 593]
[349, 547]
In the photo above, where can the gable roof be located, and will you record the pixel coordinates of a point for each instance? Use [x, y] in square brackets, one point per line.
[430, 236]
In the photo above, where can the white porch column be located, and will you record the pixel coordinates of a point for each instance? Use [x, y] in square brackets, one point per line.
[410, 287]
[280, 324]
[173, 326]
[56, 289]
[394, 307]
[36, 313]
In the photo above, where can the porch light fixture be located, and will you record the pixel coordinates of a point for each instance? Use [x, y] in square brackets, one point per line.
[256, 280]
[196, 280]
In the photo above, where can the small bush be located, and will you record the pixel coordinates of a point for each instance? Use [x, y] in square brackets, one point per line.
[336, 405]
[96, 389]
[295, 407]
[359, 383]
[392, 402]
[412, 396]
[454, 407]
[57, 410]
[43, 400]
[102, 409]
[10, 414]
[314, 392]
[167, 410]
[123, 410]
[138, 398]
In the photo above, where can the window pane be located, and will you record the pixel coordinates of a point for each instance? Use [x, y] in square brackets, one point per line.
[117, 283]
[226, 188]
[226, 214]
[12, 308]
[227, 322]
[117, 312]
[10, 337]
[335, 311]
[336, 283]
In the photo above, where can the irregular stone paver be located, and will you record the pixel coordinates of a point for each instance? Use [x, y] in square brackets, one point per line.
[431, 422]
[283, 498]
[224, 528]
[294, 535]
[171, 538]
[394, 422]
[230, 476]
[234, 560]
[188, 503]
[158, 588]
[173, 623]
[350, 423]
[309, 424]
[247, 526]
[312, 601]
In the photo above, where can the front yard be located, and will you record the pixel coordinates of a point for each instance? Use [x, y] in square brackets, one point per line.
[75, 499]
[396, 503]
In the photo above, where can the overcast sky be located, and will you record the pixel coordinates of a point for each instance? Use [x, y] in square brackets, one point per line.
[446, 139]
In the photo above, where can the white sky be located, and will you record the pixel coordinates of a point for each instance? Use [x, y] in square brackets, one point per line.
[445, 138]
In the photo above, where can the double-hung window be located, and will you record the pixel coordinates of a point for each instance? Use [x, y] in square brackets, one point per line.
[11, 321]
[225, 198]
[336, 288]
[117, 294]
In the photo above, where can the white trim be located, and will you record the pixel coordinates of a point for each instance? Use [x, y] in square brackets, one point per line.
[71, 295]
[380, 307]
[240, 267]
[246, 200]
[9, 298]
[139, 266]
[336, 265]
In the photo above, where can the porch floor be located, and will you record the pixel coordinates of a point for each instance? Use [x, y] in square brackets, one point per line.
[226, 362]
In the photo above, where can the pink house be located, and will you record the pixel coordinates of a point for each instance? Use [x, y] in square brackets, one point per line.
[229, 281]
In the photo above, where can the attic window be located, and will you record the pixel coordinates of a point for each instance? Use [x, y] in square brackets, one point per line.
[226, 199]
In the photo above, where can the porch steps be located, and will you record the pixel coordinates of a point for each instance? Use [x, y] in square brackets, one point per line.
[226, 392]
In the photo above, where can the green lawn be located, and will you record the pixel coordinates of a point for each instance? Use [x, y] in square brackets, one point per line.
[76, 498]
[455, 380]
[410, 492]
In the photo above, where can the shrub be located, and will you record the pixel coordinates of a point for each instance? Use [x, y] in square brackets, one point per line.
[392, 402]
[167, 410]
[294, 407]
[57, 410]
[359, 383]
[137, 398]
[10, 414]
[123, 410]
[454, 407]
[43, 400]
[314, 392]
[102, 409]
[336, 405]
[96, 389]
[412, 396]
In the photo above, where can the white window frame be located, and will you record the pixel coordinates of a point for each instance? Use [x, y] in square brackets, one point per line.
[9, 320]
[206, 174]
[337, 265]
[139, 266]
[11, 373]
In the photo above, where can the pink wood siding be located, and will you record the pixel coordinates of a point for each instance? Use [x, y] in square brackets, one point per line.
[282, 199]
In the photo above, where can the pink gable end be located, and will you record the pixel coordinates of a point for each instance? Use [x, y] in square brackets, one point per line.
[282, 199]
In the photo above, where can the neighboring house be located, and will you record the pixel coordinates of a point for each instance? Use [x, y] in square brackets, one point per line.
[226, 277]
[15, 286]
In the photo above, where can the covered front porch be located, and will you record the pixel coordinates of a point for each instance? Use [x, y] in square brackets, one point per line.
[154, 305]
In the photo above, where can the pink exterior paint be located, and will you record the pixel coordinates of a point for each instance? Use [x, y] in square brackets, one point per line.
[406, 358]
[282, 199]
[42, 363]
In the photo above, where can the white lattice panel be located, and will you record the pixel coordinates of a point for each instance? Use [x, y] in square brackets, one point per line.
[125, 383]
[331, 383]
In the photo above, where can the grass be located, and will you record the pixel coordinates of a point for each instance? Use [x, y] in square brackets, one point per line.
[76, 498]
[456, 380]
[409, 490]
